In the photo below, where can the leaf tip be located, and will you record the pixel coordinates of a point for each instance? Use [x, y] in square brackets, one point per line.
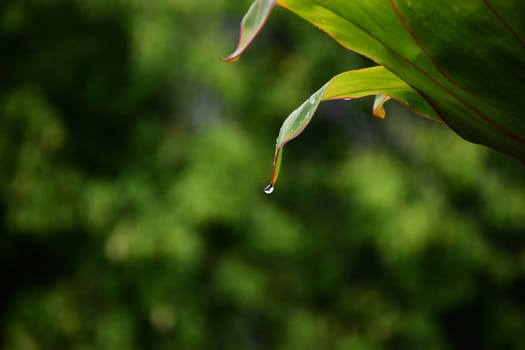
[379, 106]
[251, 24]
[275, 172]
[233, 57]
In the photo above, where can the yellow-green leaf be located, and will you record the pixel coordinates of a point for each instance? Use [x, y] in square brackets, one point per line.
[349, 85]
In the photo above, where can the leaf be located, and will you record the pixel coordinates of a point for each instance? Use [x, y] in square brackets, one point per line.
[466, 58]
[251, 24]
[463, 61]
[348, 85]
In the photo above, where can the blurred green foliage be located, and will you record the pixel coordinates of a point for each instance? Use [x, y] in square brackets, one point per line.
[132, 213]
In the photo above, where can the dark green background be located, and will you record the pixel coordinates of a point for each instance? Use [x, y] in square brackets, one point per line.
[132, 163]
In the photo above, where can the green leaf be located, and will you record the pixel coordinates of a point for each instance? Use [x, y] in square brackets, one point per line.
[251, 24]
[349, 85]
[461, 61]
[466, 58]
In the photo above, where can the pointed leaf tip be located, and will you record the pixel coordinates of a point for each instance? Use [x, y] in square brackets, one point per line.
[276, 168]
[251, 25]
[379, 106]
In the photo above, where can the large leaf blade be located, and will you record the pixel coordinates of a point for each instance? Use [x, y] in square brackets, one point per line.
[465, 58]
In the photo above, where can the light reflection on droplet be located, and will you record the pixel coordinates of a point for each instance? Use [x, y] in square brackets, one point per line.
[268, 189]
[311, 100]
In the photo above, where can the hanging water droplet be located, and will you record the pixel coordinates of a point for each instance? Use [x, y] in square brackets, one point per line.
[268, 189]
[311, 100]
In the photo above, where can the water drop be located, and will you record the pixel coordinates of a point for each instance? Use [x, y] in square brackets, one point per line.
[268, 189]
[311, 100]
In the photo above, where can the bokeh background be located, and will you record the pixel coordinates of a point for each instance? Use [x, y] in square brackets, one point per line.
[132, 216]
